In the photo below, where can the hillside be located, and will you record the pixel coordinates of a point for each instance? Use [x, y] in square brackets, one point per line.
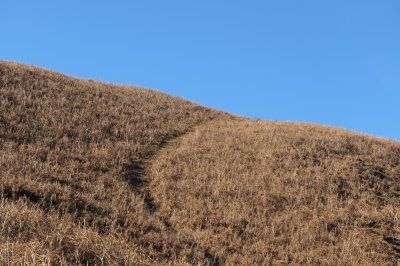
[95, 173]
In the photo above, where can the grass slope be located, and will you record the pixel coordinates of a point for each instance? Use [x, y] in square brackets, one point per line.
[261, 193]
[71, 158]
[94, 173]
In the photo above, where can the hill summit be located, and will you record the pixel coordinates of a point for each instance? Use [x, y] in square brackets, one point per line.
[103, 174]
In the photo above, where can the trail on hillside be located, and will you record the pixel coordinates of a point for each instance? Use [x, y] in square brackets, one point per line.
[101, 174]
[72, 154]
[141, 179]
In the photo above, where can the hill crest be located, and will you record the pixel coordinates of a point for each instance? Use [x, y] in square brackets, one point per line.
[95, 173]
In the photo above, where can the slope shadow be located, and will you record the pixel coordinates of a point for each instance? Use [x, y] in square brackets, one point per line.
[134, 174]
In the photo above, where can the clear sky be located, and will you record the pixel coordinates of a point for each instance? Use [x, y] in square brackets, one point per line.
[329, 62]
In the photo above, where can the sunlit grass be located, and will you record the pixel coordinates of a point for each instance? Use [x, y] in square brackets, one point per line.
[94, 173]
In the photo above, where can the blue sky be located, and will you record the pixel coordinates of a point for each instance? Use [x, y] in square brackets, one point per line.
[329, 62]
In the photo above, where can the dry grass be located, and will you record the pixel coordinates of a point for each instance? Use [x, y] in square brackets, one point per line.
[94, 173]
[71, 158]
[259, 193]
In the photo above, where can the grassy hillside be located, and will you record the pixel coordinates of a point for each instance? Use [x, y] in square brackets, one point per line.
[94, 173]
[71, 168]
[282, 193]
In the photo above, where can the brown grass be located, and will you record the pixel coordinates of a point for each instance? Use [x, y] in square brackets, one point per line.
[94, 173]
[71, 159]
[261, 193]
